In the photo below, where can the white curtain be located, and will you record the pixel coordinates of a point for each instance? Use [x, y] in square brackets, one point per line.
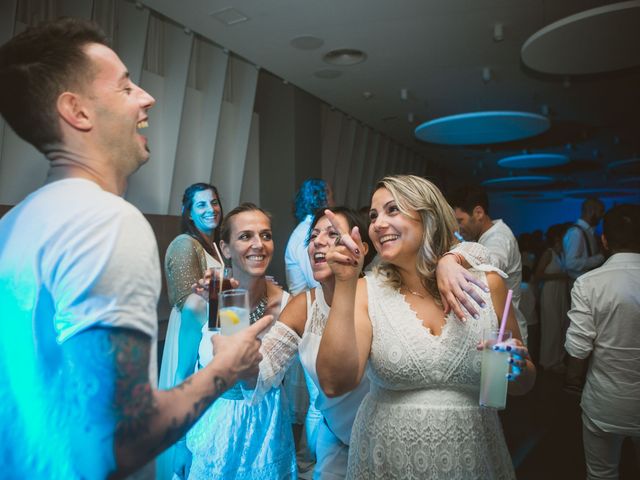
[354, 156]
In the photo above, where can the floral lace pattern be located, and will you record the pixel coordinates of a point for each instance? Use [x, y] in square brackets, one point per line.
[279, 348]
[422, 419]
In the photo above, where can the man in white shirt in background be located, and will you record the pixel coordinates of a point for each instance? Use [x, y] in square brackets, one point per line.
[581, 249]
[471, 205]
[604, 339]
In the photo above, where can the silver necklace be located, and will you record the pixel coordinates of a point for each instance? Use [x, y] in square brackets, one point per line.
[258, 312]
[414, 293]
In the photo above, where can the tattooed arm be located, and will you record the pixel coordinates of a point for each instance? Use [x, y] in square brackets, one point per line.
[148, 420]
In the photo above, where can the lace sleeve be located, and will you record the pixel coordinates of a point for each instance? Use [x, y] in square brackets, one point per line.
[478, 257]
[279, 347]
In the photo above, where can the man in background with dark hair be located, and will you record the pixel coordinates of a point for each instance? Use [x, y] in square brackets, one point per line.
[80, 275]
[581, 249]
[471, 206]
[604, 339]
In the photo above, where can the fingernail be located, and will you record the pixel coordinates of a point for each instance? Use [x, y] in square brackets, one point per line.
[496, 348]
[508, 348]
[509, 376]
[482, 305]
[510, 360]
[357, 251]
[486, 289]
[476, 316]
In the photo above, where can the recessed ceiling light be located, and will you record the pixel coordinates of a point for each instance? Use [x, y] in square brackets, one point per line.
[229, 16]
[307, 42]
[344, 57]
[327, 74]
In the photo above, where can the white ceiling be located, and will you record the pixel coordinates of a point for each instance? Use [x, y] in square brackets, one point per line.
[436, 49]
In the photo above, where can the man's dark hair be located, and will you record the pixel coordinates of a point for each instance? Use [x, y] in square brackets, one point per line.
[38, 65]
[621, 228]
[469, 197]
[590, 204]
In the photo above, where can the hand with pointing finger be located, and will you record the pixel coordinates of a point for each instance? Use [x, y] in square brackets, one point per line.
[345, 257]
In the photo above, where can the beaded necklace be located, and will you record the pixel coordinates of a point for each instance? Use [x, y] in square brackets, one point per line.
[257, 313]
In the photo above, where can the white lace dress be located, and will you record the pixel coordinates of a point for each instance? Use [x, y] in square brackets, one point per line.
[421, 418]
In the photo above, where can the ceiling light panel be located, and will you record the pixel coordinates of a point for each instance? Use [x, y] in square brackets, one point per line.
[229, 16]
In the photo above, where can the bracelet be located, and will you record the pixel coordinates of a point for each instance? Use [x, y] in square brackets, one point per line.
[455, 254]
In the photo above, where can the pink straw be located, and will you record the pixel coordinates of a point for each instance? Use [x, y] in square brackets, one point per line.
[505, 314]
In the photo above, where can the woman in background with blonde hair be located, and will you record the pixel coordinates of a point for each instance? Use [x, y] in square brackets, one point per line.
[421, 418]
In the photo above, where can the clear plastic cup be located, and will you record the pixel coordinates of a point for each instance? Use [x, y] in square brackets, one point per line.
[495, 368]
[233, 313]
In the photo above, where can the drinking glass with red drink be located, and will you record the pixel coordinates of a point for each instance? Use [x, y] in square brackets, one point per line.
[220, 281]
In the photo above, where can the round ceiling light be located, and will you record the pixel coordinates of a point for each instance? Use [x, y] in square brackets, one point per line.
[525, 181]
[344, 57]
[630, 182]
[307, 42]
[630, 166]
[534, 160]
[602, 192]
[481, 128]
[598, 40]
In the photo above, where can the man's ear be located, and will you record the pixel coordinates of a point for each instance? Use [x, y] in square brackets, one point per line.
[224, 248]
[72, 110]
[478, 212]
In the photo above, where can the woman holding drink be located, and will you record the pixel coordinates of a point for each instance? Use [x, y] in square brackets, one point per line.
[300, 328]
[421, 418]
[234, 439]
[188, 256]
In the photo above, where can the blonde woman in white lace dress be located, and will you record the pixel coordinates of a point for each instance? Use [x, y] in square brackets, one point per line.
[300, 328]
[421, 418]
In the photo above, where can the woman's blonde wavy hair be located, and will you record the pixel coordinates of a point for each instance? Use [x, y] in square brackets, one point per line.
[413, 193]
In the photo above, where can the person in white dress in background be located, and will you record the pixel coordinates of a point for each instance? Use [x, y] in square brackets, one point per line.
[188, 257]
[421, 418]
[554, 302]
